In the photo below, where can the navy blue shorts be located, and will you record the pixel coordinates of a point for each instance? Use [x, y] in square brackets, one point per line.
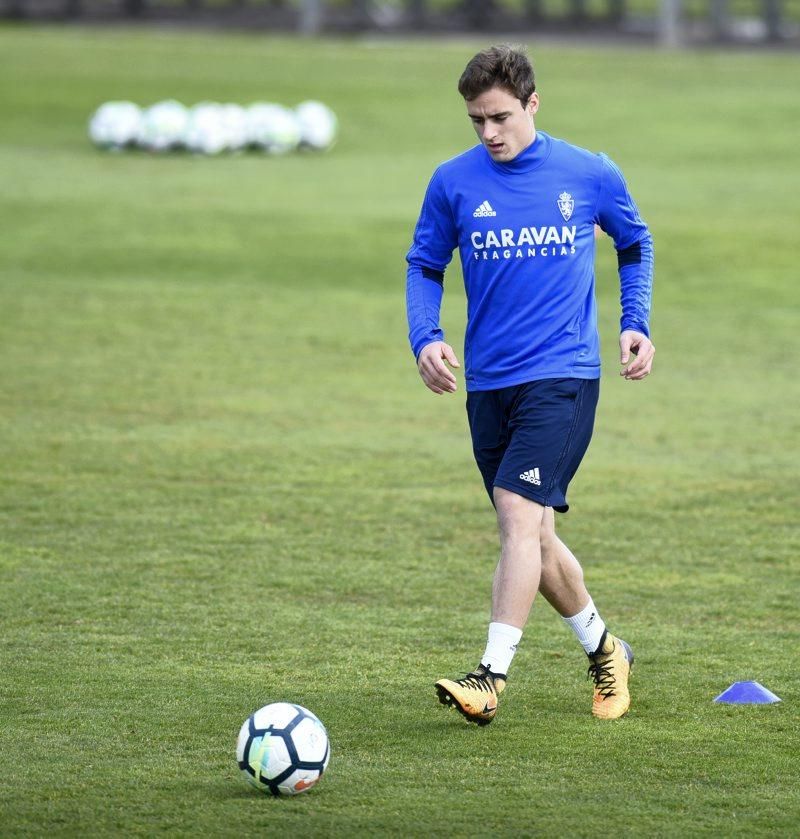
[531, 438]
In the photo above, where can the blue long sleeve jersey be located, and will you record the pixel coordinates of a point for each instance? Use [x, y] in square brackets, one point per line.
[525, 234]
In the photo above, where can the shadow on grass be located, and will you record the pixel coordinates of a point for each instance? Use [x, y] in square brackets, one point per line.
[223, 789]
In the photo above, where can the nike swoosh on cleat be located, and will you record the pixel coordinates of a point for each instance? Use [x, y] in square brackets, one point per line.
[487, 709]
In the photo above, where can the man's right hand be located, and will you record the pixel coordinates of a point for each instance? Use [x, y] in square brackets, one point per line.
[432, 368]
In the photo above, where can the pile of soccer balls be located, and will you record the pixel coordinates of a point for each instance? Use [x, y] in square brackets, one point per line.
[211, 128]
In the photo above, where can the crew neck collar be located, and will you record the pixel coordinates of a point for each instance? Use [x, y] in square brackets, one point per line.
[528, 159]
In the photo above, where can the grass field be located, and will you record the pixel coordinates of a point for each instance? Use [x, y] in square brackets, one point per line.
[223, 484]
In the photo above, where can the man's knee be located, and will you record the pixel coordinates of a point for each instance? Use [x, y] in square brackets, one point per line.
[517, 514]
[547, 532]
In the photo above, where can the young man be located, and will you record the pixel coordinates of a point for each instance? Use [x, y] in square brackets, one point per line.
[522, 207]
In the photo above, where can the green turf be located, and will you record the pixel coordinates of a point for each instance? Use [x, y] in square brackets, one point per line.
[223, 484]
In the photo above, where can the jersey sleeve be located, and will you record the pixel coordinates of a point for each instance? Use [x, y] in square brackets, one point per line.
[618, 216]
[435, 238]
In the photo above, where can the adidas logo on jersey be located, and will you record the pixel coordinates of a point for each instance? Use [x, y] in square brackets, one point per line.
[532, 476]
[484, 210]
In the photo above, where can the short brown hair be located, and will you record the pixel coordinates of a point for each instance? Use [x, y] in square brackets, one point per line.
[503, 66]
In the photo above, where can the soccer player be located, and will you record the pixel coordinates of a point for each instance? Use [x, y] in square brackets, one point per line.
[521, 207]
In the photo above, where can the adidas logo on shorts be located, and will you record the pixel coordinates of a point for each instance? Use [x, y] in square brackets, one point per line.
[532, 476]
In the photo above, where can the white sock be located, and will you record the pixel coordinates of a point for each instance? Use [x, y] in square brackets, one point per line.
[500, 647]
[588, 626]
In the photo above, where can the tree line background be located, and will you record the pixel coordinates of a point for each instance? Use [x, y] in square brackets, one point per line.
[668, 21]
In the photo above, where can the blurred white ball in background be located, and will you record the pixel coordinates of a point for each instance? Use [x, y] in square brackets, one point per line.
[234, 121]
[318, 125]
[258, 118]
[205, 129]
[164, 126]
[115, 125]
[272, 128]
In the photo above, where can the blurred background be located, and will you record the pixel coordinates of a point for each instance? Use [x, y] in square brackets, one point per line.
[669, 22]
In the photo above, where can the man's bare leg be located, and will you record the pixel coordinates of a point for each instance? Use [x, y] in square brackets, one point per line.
[563, 587]
[518, 573]
[516, 581]
[561, 582]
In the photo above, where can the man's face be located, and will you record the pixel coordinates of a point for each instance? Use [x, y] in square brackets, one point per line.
[501, 123]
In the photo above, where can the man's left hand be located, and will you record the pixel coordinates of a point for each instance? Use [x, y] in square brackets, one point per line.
[641, 348]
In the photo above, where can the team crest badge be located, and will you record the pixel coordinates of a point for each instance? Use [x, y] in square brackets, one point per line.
[566, 205]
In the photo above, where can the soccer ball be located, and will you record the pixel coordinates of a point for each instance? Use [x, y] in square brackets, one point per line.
[205, 132]
[282, 749]
[272, 128]
[164, 126]
[115, 125]
[234, 121]
[317, 125]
